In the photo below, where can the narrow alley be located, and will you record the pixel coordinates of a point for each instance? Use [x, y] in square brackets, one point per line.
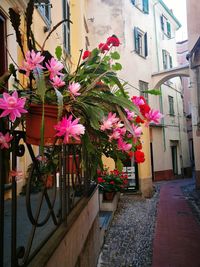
[161, 231]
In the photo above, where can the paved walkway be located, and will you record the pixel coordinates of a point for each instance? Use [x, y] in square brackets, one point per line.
[177, 233]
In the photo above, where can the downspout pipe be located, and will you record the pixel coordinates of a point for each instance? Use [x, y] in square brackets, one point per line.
[158, 69]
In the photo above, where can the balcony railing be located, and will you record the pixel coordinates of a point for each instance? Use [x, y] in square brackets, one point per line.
[28, 220]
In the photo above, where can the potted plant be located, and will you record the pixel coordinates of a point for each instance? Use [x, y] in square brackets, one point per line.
[88, 105]
[111, 182]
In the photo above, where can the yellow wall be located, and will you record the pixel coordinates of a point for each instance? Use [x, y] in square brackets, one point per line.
[77, 10]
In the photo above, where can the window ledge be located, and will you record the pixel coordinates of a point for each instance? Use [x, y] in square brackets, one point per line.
[140, 10]
[140, 55]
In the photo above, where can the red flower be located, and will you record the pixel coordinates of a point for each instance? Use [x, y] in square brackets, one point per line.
[100, 180]
[86, 54]
[112, 182]
[113, 40]
[139, 120]
[103, 47]
[139, 146]
[144, 109]
[139, 156]
[130, 154]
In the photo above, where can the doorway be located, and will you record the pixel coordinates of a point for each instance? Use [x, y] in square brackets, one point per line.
[174, 160]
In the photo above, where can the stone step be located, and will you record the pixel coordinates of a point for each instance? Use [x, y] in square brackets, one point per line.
[105, 218]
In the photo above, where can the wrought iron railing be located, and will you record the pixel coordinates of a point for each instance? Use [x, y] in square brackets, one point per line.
[27, 220]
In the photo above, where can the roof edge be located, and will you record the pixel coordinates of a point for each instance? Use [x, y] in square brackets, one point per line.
[170, 13]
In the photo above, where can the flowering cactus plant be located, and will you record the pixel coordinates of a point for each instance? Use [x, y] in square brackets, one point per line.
[92, 103]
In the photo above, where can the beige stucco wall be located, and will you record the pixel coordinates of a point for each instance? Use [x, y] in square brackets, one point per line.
[193, 25]
[120, 18]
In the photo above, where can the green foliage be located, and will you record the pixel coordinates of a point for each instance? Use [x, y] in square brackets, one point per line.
[58, 52]
[115, 55]
[153, 92]
[117, 66]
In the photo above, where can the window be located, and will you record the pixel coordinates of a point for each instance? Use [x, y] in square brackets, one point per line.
[167, 60]
[171, 105]
[165, 26]
[143, 86]
[66, 27]
[142, 5]
[3, 58]
[140, 40]
[44, 7]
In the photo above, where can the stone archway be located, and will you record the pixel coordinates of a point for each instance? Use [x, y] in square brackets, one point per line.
[159, 78]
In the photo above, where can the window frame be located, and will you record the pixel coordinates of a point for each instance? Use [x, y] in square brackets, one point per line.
[43, 9]
[142, 5]
[171, 105]
[167, 60]
[66, 27]
[143, 86]
[3, 60]
[165, 26]
[140, 42]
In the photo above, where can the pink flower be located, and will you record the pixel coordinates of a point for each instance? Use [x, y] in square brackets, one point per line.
[12, 105]
[103, 47]
[54, 67]
[154, 116]
[123, 145]
[137, 100]
[17, 174]
[32, 61]
[86, 54]
[57, 82]
[109, 121]
[74, 88]
[113, 40]
[115, 135]
[137, 130]
[130, 114]
[4, 140]
[69, 128]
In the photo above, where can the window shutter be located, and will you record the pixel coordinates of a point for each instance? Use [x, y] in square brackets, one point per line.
[164, 59]
[133, 2]
[145, 45]
[146, 6]
[168, 29]
[136, 39]
[170, 62]
[162, 23]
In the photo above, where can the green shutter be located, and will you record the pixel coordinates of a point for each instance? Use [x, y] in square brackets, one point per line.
[168, 29]
[145, 45]
[164, 59]
[170, 62]
[162, 23]
[136, 39]
[146, 6]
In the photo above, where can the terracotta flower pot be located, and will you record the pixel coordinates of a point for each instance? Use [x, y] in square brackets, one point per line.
[34, 121]
[108, 196]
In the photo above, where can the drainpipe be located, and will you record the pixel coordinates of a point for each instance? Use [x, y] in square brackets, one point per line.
[158, 69]
[155, 31]
[179, 131]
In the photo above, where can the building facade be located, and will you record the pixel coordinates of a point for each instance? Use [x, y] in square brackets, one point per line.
[147, 30]
[182, 54]
[193, 24]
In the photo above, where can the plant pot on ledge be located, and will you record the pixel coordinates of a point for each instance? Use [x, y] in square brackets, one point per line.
[108, 196]
[34, 121]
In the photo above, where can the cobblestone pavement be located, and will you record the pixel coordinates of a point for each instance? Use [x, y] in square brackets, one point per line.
[129, 238]
[192, 195]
